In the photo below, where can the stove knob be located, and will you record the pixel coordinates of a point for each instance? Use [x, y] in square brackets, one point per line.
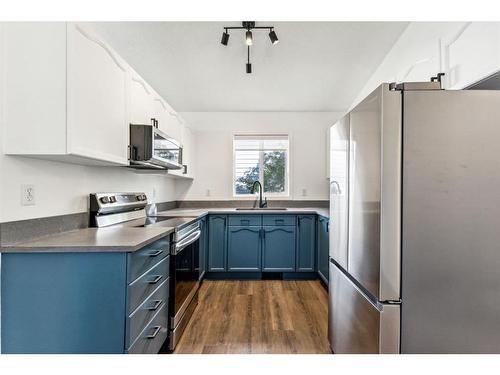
[104, 200]
[144, 198]
[139, 197]
[112, 199]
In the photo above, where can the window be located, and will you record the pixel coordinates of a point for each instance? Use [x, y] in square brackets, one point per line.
[261, 158]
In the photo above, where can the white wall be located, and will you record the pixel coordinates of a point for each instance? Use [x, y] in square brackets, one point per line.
[63, 188]
[214, 155]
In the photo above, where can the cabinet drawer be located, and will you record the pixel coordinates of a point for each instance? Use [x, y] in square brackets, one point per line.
[279, 220]
[153, 336]
[142, 260]
[141, 288]
[245, 220]
[138, 320]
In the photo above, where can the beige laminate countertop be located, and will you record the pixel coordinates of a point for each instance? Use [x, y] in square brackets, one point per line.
[118, 239]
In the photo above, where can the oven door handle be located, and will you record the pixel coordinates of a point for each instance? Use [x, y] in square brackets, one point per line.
[187, 241]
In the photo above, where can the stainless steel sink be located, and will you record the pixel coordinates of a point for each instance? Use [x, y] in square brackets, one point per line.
[261, 209]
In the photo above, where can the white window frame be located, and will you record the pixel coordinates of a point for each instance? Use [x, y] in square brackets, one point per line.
[284, 194]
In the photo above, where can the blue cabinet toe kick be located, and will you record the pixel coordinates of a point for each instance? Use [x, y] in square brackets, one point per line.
[261, 276]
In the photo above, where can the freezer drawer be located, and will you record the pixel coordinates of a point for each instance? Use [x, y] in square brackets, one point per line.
[357, 325]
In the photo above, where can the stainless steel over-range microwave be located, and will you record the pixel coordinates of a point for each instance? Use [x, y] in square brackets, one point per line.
[150, 148]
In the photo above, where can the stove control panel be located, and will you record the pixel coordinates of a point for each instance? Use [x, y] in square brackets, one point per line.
[105, 203]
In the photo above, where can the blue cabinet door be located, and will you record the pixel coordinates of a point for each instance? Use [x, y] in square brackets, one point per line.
[278, 251]
[306, 243]
[203, 246]
[63, 302]
[323, 246]
[244, 248]
[217, 243]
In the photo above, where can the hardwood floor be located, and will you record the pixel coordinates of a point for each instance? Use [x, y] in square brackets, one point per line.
[265, 316]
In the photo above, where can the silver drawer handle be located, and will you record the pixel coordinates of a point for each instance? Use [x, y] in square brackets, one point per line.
[155, 332]
[157, 304]
[155, 253]
[155, 279]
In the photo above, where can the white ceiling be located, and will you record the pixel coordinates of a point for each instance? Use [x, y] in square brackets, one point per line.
[316, 66]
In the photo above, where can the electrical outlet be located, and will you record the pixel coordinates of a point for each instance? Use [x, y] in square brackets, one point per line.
[304, 192]
[208, 193]
[28, 195]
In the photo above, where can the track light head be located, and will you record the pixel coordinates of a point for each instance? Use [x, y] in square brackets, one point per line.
[273, 37]
[225, 38]
[249, 68]
[248, 38]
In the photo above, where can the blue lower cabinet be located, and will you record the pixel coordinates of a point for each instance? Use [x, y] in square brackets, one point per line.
[217, 243]
[323, 247]
[64, 303]
[244, 248]
[306, 243]
[203, 246]
[85, 303]
[278, 251]
[153, 336]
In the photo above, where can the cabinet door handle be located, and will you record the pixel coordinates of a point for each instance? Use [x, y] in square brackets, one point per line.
[264, 233]
[155, 305]
[155, 332]
[155, 253]
[327, 226]
[155, 279]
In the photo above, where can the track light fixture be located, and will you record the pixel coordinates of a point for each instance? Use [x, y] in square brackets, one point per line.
[249, 26]
[248, 38]
[225, 37]
[273, 37]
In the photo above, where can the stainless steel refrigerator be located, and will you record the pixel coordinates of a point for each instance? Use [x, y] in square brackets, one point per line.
[415, 222]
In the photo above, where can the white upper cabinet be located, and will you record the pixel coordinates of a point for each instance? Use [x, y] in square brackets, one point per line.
[70, 97]
[97, 98]
[147, 104]
[141, 100]
[471, 54]
[66, 95]
[34, 86]
[173, 123]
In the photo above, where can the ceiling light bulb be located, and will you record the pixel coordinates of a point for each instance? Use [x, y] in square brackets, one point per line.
[273, 37]
[248, 38]
[225, 38]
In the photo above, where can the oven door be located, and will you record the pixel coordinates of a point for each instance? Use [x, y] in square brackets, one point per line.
[185, 275]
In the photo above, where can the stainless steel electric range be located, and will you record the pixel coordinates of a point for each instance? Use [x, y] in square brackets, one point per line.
[129, 209]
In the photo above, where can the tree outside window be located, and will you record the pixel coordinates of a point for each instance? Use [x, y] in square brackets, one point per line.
[261, 158]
